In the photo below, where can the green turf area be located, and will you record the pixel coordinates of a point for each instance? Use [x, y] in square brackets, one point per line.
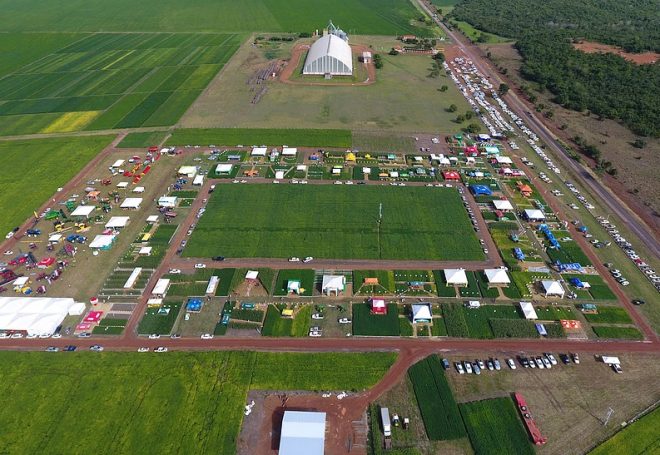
[476, 35]
[385, 284]
[435, 399]
[495, 428]
[112, 80]
[160, 320]
[455, 321]
[153, 403]
[625, 333]
[609, 315]
[641, 437]
[599, 290]
[305, 277]
[258, 136]
[38, 168]
[18, 49]
[140, 140]
[275, 325]
[329, 221]
[367, 324]
[387, 17]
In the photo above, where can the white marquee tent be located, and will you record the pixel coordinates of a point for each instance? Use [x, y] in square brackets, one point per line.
[329, 55]
[456, 277]
[553, 288]
[497, 277]
[36, 315]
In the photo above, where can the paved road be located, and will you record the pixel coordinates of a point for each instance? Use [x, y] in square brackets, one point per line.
[647, 234]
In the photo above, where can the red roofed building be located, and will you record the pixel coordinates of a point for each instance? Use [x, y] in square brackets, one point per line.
[451, 175]
[378, 306]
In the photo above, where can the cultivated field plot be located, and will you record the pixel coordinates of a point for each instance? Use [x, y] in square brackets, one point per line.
[119, 80]
[38, 167]
[153, 403]
[641, 437]
[329, 221]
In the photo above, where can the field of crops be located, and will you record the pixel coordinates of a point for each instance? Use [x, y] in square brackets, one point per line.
[118, 80]
[38, 168]
[621, 333]
[367, 324]
[374, 17]
[435, 399]
[139, 140]
[495, 428]
[155, 403]
[639, 438]
[329, 221]
[610, 315]
[258, 136]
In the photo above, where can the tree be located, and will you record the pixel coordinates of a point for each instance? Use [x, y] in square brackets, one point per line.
[460, 119]
[452, 108]
[439, 57]
[503, 90]
[473, 128]
[393, 52]
[639, 143]
[468, 115]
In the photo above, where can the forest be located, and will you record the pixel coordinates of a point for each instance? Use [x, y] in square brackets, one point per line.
[605, 84]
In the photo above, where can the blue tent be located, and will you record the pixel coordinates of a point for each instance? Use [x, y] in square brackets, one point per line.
[480, 190]
[576, 282]
[194, 305]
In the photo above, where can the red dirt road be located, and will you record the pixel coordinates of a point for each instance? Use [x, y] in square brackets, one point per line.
[645, 58]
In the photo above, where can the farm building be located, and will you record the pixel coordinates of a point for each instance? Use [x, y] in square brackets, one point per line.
[102, 242]
[223, 168]
[289, 151]
[378, 306]
[138, 189]
[525, 189]
[329, 55]
[503, 205]
[552, 288]
[503, 160]
[303, 433]
[456, 277]
[491, 150]
[293, 287]
[188, 171]
[421, 313]
[497, 277]
[198, 180]
[145, 251]
[122, 185]
[533, 215]
[259, 151]
[167, 201]
[36, 315]
[528, 310]
[161, 287]
[333, 284]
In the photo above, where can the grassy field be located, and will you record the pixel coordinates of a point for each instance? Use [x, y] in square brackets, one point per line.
[112, 80]
[624, 333]
[611, 315]
[387, 17]
[153, 403]
[638, 438]
[18, 49]
[437, 405]
[495, 428]
[258, 136]
[328, 221]
[139, 140]
[404, 81]
[38, 168]
[367, 324]
[305, 276]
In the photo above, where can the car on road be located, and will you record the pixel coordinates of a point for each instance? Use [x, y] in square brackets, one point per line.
[638, 302]
[218, 258]
[308, 259]
[96, 348]
[84, 335]
[70, 348]
[154, 336]
[315, 333]
[200, 265]
[174, 271]
[294, 259]
[207, 336]
[318, 316]
[160, 349]
[57, 335]
[52, 349]
[16, 335]
[143, 349]
[344, 321]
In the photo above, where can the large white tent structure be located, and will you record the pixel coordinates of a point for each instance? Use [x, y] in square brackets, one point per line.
[36, 315]
[552, 288]
[329, 55]
[497, 277]
[303, 433]
[456, 277]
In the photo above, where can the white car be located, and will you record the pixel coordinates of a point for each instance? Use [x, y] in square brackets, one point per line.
[32, 336]
[96, 348]
[207, 336]
[315, 334]
[154, 336]
[344, 321]
[294, 259]
[57, 335]
[200, 266]
[9, 235]
[174, 271]
[349, 182]
[160, 349]
[143, 349]
[337, 182]
[308, 259]
[317, 316]
[16, 335]
[511, 364]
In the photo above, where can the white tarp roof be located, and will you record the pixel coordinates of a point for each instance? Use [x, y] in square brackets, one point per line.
[333, 283]
[117, 222]
[528, 310]
[118, 163]
[138, 189]
[55, 238]
[161, 286]
[83, 210]
[501, 204]
[152, 219]
[198, 180]
[552, 287]
[259, 151]
[455, 276]
[145, 250]
[130, 281]
[188, 170]
[534, 214]
[303, 433]
[21, 281]
[35, 315]
[497, 276]
[421, 312]
[289, 151]
[503, 159]
[131, 203]
[213, 284]
[167, 201]
[610, 360]
[251, 274]
[122, 184]
[102, 241]
[223, 168]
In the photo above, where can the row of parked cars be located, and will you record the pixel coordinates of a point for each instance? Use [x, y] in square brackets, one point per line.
[545, 361]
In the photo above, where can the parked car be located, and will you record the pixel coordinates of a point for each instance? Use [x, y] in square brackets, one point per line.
[576, 358]
[200, 265]
[459, 367]
[511, 363]
[154, 336]
[445, 364]
[551, 358]
[498, 366]
[70, 348]
[315, 334]
[218, 258]
[308, 259]
[174, 271]
[207, 336]
[52, 349]
[617, 368]
[294, 259]
[160, 349]
[344, 321]
[96, 348]
[143, 349]
[317, 316]
[565, 359]
[638, 302]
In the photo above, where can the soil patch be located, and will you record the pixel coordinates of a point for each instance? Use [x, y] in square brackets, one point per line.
[646, 58]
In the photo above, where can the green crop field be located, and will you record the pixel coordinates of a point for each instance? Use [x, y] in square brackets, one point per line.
[367, 324]
[179, 402]
[435, 399]
[329, 221]
[495, 428]
[38, 168]
[250, 136]
[386, 17]
[610, 315]
[623, 333]
[112, 80]
[18, 49]
[139, 140]
[639, 438]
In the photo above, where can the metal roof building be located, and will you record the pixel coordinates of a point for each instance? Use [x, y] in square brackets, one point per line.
[303, 433]
[329, 55]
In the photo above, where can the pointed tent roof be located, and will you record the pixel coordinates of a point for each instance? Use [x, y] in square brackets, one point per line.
[497, 276]
[455, 276]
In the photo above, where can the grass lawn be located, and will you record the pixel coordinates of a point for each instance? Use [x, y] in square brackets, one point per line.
[160, 320]
[304, 276]
[38, 168]
[144, 403]
[328, 221]
[638, 438]
[474, 34]
[367, 324]
[610, 315]
[258, 136]
[18, 49]
[472, 289]
[626, 333]
[599, 290]
[495, 428]
[385, 282]
[139, 140]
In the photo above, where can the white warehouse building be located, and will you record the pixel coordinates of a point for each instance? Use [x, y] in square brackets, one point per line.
[329, 55]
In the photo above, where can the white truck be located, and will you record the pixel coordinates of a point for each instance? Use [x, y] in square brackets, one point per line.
[385, 419]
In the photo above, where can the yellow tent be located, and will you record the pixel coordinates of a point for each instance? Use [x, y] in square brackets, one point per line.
[350, 156]
[287, 312]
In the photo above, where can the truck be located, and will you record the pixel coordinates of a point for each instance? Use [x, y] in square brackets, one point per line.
[387, 426]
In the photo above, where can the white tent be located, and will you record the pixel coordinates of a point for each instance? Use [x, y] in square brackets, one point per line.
[501, 159]
[502, 204]
[117, 222]
[145, 251]
[198, 180]
[83, 210]
[122, 185]
[55, 238]
[35, 315]
[497, 277]
[329, 55]
[130, 281]
[259, 151]
[303, 433]
[131, 203]
[188, 171]
[456, 277]
[223, 168]
[534, 215]
[102, 241]
[161, 287]
[333, 284]
[528, 310]
[421, 312]
[610, 360]
[251, 274]
[167, 201]
[289, 151]
[138, 189]
[552, 288]
[118, 163]
[152, 219]
[366, 170]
